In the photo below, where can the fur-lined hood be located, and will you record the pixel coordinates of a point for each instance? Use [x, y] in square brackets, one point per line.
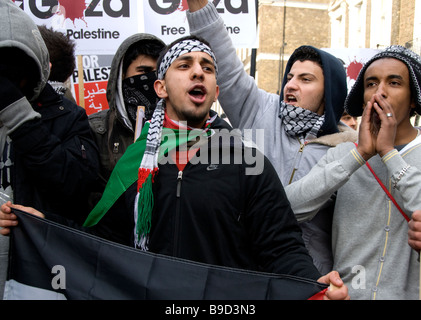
[345, 134]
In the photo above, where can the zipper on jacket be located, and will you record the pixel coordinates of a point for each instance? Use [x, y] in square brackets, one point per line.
[116, 144]
[179, 178]
[177, 213]
[83, 150]
[297, 160]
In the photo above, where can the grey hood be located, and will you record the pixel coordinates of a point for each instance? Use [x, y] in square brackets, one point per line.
[114, 86]
[17, 30]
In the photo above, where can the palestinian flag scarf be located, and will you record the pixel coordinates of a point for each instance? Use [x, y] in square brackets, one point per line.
[138, 163]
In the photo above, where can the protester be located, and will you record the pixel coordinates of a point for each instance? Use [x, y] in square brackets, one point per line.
[350, 121]
[62, 58]
[370, 235]
[130, 85]
[313, 94]
[48, 159]
[190, 196]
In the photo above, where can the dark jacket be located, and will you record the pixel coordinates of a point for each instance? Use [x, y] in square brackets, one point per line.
[218, 213]
[56, 159]
[112, 128]
[52, 157]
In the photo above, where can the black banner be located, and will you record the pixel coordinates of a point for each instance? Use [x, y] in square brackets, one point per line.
[77, 265]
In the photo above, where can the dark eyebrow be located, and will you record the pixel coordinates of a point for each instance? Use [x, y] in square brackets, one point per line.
[395, 76]
[370, 79]
[190, 58]
[389, 77]
[146, 68]
[207, 61]
[304, 74]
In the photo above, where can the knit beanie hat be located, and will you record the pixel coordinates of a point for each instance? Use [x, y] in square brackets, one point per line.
[355, 99]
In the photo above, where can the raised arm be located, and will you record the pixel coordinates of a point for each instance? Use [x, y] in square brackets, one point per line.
[239, 96]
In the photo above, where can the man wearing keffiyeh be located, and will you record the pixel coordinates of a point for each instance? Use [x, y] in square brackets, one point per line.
[300, 123]
[192, 107]
[209, 211]
[377, 182]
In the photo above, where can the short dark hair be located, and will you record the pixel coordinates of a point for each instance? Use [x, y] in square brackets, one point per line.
[62, 53]
[305, 53]
[148, 47]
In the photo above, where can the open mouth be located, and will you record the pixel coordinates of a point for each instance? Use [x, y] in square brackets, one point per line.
[290, 99]
[198, 93]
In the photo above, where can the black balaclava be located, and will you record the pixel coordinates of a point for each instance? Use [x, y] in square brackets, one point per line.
[139, 91]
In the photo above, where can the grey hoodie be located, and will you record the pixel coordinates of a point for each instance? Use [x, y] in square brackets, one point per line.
[249, 107]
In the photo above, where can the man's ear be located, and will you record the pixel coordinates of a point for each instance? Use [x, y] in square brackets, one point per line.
[216, 93]
[160, 89]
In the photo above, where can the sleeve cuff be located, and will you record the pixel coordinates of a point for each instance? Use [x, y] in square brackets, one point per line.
[396, 165]
[352, 161]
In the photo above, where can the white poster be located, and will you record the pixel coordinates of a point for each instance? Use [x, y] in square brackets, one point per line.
[166, 19]
[353, 60]
[97, 26]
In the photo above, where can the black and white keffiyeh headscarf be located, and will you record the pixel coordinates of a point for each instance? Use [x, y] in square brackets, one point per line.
[299, 121]
[149, 165]
[180, 48]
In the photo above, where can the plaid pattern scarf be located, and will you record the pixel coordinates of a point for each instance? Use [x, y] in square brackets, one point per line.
[299, 121]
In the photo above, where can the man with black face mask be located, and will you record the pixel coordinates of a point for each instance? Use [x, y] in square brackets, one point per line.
[130, 85]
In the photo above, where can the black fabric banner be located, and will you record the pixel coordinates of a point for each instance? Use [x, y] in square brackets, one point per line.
[50, 256]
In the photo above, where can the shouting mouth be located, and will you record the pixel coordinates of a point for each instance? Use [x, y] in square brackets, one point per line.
[290, 99]
[198, 94]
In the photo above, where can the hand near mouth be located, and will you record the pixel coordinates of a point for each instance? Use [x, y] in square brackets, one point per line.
[377, 130]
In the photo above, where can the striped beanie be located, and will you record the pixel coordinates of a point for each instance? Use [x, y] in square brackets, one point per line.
[355, 99]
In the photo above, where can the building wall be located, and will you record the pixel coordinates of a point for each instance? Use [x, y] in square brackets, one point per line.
[404, 15]
[381, 22]
[328, 24]
[306, 23]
